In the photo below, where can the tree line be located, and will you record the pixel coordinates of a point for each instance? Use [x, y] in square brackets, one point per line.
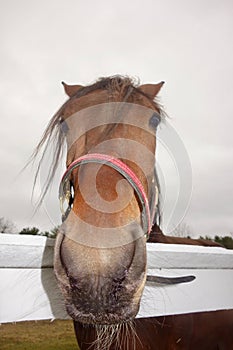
[225, 241]
[35, 231]
[6, 226]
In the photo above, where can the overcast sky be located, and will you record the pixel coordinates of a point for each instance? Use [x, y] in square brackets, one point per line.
[188, 44]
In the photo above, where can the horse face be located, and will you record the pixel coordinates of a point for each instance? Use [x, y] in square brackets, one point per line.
[100, 255]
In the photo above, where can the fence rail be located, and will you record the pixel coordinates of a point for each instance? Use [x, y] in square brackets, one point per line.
[28, 289]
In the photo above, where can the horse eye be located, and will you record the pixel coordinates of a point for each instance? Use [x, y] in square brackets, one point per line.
[64, 127]
[155, 120]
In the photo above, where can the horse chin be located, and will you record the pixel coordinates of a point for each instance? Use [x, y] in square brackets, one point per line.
[108, 311]
[108, 295]
[126, 315]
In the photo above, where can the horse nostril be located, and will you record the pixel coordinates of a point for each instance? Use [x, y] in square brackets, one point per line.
[117, 285]
[119, 281]
[73, 281]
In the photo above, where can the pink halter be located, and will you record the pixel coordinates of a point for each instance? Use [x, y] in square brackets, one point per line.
[122, 168]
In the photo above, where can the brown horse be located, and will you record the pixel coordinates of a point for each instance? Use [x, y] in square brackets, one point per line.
[100, 253]
[194, 331]
[110, 185]
[157, 236]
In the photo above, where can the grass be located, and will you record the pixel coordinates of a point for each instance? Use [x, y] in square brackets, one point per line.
[46, 335]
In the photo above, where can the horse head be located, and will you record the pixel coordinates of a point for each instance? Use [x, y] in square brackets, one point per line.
[100, 252]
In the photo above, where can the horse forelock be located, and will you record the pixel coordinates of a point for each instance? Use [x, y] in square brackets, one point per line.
[123, 88]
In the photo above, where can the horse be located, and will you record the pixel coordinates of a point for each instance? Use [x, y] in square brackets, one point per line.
[157, 236]
[193, 331]
[111, 193]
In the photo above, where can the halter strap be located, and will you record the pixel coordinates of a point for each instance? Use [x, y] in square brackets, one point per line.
[122, 168]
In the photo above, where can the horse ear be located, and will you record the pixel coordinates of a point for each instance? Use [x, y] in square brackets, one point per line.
[70, 90]
[151, 89]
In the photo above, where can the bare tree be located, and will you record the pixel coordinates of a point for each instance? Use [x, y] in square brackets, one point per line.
[182, 230]
[7, 226]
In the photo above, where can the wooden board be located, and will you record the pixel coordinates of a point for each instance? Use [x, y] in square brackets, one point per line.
[28, 289]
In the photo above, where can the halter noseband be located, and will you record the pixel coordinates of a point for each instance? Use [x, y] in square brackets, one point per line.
[123, 169]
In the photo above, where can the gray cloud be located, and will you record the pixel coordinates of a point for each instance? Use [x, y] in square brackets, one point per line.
[189, 45]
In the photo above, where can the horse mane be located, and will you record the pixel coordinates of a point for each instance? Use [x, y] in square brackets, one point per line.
[122, 88]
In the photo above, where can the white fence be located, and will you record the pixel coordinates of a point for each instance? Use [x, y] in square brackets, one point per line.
[28, 289]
